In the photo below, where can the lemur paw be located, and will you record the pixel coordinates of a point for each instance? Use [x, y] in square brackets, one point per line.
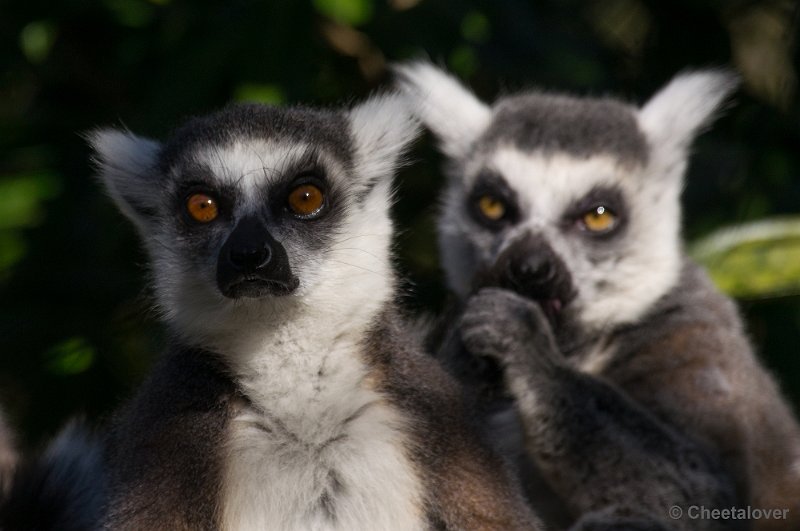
[505, 326]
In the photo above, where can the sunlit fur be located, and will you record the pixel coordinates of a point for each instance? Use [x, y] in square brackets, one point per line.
[455, 115]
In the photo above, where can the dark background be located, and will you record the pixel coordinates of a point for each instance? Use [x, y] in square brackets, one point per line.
[77, 331]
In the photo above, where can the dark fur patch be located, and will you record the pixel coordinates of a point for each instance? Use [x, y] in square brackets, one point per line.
[164, 451]
[327, 129]
[327, 501]
[576, 126]
[62, 489]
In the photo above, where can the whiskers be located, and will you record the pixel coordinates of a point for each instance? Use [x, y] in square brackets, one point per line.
[337, 252]
[362, 268]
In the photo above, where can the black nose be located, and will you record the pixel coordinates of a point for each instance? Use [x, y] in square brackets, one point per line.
[249, 258]
[536, 269]
[532, 268]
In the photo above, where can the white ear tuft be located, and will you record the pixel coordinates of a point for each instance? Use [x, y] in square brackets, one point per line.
[126, 167]
[443, 104]
[678, 112]
[383, 127]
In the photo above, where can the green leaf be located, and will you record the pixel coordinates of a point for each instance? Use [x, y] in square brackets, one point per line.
[754, 260]
[12, 249]
[265, 93]
[72, 356]
[475, 27]
[21, 198]
[463, 61]
[349, 12]
[36, 39]
[131, 13]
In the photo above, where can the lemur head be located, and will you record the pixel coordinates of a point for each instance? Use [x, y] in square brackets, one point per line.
[575, 201]
[256, 212]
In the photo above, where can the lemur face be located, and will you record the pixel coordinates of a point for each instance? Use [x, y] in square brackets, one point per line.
[256, 207]
[572, 201]
[581, 226]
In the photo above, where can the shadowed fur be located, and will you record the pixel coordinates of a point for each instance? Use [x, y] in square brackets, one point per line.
[634, 384]
[8, 456]
[62, 489]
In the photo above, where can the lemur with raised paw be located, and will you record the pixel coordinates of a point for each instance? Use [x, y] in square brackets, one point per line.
[635, 385]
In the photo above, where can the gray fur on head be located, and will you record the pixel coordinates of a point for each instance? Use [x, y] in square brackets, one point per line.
[246, 153]
[556, 154]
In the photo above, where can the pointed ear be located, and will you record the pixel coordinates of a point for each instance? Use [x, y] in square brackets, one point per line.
[126, 166]
[444, 105]
[382, 129]
[678, 112]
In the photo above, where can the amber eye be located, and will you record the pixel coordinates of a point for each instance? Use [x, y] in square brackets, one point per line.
[306, 200]
[599, 219]
[491, 207]
[202, 207]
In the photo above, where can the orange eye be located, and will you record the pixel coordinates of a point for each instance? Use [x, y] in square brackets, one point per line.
[306, 200]
[599, 219]
[202, 208]
[491, 208]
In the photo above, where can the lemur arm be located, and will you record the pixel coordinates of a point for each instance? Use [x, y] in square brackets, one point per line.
[468, 486]
[165, 449]
[702, 375]
[613, 462]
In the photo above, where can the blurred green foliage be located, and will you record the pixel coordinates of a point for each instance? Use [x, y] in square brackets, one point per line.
[72, 356]
[352, 12]
[755, 260]
[77, 330]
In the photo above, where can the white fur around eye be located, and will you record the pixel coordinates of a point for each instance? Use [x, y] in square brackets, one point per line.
[639, 267]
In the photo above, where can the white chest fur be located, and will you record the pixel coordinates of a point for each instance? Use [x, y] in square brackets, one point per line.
[318, 449]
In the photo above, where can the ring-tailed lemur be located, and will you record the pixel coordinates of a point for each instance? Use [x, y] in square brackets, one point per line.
[293, 396]
[631, 373]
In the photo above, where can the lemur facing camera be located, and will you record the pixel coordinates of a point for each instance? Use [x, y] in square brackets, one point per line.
[293, 395]
[632, 376]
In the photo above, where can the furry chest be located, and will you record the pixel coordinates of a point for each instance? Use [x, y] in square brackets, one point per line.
[347, 475]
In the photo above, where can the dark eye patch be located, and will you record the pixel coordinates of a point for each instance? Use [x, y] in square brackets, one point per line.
[610, 198]
[493, 185]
